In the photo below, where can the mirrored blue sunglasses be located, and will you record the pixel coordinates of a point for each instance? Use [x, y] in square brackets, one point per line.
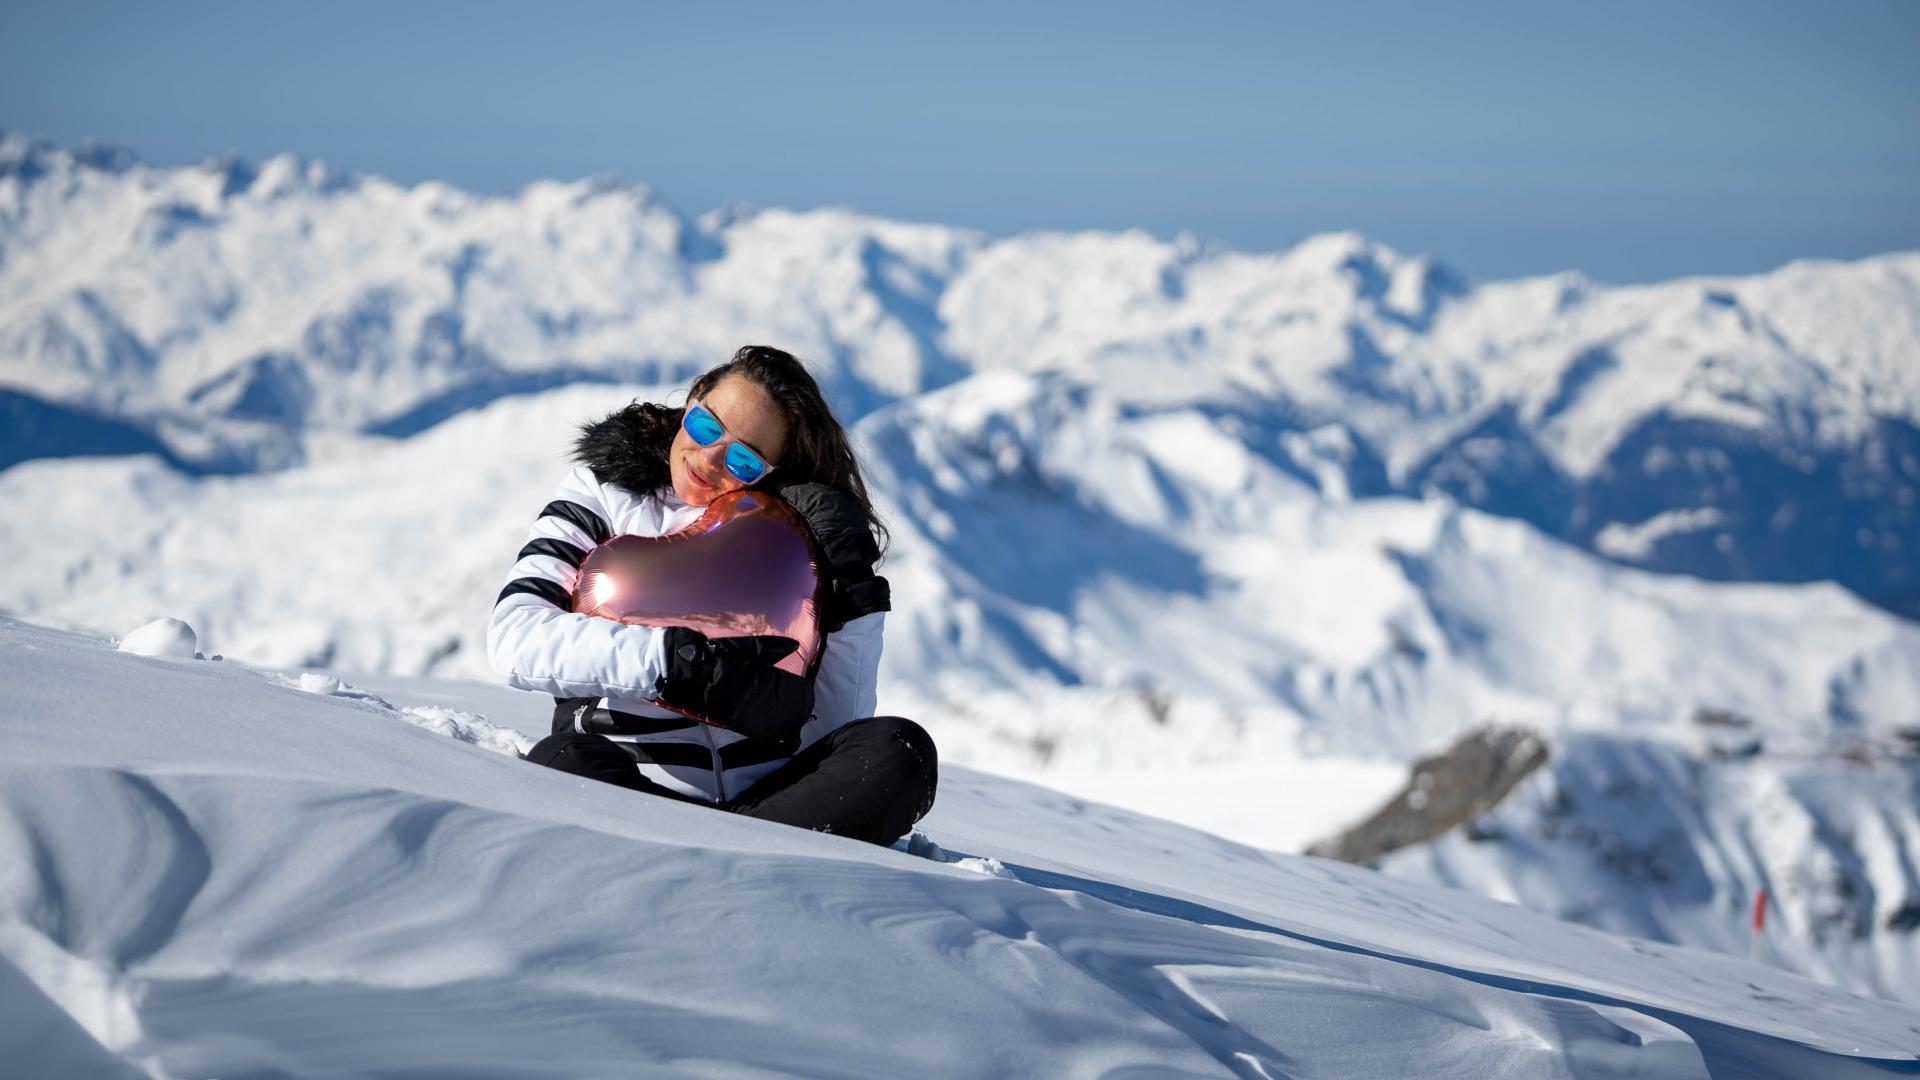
[704, 428]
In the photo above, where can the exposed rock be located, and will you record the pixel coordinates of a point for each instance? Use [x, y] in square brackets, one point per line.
[1454, 786]
[1714, 717]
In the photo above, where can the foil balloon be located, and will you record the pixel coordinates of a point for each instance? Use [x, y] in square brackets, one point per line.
[746, 566]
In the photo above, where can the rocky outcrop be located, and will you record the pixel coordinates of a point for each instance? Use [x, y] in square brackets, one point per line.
[1454, 786]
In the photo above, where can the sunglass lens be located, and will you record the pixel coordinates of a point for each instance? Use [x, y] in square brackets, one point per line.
[702, 426]
[745, 464]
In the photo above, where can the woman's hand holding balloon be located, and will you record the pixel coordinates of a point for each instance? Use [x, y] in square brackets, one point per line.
[841, 532]
[733, 682]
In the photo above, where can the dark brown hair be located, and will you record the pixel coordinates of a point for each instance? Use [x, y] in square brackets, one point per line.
[631, 446]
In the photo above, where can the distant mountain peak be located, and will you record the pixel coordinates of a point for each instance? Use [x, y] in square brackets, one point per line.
[152, 295]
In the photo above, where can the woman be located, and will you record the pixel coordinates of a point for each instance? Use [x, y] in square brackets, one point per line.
[781, 747]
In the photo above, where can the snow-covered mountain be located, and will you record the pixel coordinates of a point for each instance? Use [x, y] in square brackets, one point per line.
[1758, 428]
[209, 872]
[1227, 538]
[1252, 659]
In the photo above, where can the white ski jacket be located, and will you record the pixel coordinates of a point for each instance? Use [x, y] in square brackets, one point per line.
[602, 672]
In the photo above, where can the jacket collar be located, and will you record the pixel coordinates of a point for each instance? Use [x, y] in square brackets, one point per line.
[615, 448]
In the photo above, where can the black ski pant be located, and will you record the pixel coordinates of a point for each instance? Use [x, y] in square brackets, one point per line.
[869, 779]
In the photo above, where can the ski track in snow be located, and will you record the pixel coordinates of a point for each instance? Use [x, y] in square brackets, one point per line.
[213, 872]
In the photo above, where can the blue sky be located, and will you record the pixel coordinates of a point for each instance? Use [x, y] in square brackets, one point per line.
[1631, 141]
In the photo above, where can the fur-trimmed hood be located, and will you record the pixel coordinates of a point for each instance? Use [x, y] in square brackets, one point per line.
[628, 447]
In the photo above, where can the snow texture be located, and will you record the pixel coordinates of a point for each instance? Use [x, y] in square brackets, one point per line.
[162, 637]
[205, 871]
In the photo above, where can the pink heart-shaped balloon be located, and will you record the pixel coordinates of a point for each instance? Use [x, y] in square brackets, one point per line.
[746, 566]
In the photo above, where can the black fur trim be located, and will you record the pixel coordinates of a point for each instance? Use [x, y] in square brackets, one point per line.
[617, 448]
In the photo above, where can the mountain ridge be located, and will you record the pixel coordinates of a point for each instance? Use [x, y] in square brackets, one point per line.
[237, 312]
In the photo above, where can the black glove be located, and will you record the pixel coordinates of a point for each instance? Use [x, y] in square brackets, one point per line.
[732, 682]
[845, 539]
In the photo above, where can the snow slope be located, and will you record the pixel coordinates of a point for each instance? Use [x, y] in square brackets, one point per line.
[211, 872]
[1640, 837]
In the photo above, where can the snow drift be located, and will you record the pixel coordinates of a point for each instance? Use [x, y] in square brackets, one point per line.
[209, 871]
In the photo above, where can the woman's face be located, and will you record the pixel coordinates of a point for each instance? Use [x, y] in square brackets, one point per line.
[700, 472]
